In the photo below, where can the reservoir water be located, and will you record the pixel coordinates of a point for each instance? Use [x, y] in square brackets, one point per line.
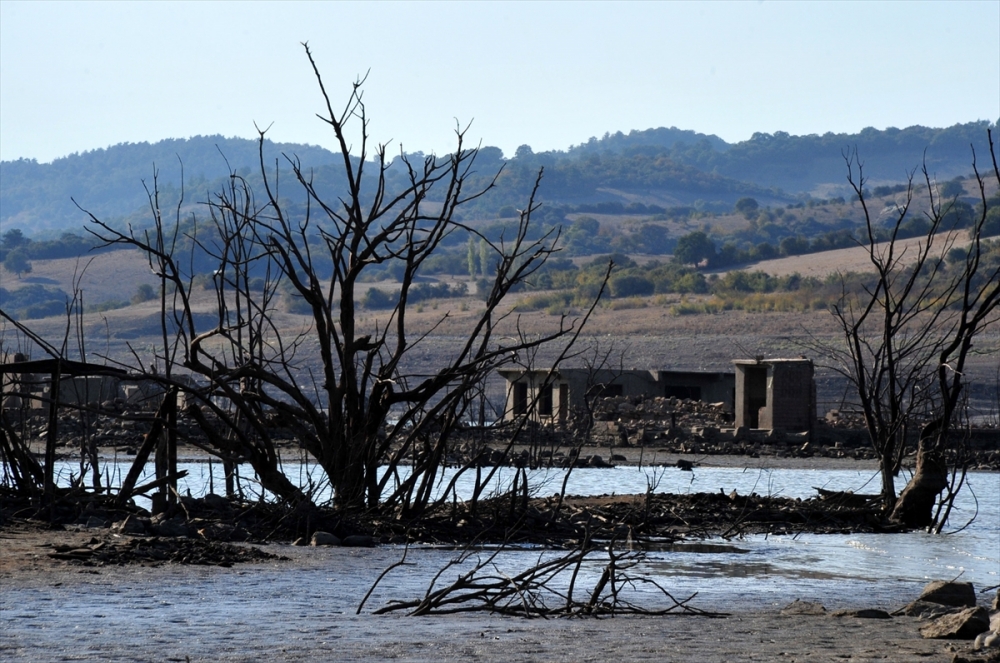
[271, 610]
[969, 548]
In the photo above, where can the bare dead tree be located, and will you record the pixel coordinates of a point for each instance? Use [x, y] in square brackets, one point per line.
[908, 334]
[349, 392]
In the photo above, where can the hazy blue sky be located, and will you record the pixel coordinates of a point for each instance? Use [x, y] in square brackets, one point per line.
[78, 76]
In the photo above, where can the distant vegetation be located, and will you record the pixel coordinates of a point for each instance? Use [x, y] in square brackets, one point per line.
[747, 233]
[633, 286]
[653, 171]
[692, 200]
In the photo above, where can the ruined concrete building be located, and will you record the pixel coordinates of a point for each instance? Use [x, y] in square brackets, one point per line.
[549, 396]
[763, 394]
[775, 394]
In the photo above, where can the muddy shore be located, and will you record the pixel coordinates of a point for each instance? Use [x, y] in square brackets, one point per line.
[57, 610]
[300, 605]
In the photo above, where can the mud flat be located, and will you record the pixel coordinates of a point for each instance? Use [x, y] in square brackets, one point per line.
[303, 608]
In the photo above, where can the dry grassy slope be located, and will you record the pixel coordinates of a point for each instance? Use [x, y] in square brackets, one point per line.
[102, 277]
[853, 259]
[645, 337]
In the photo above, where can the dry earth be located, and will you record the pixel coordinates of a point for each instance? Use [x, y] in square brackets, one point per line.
[648, 336]
[853, 259]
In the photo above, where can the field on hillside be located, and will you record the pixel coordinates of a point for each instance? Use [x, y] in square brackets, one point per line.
[102, 277]
[646, 335]
[853, 259]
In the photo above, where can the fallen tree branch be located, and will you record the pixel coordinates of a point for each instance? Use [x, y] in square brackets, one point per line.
[535, 591]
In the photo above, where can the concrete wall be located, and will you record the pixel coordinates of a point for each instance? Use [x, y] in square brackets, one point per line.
[570, 388]
[775, 394]
[86, 390]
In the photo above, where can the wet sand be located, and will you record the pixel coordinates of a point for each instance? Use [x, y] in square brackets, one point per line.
[304, 609]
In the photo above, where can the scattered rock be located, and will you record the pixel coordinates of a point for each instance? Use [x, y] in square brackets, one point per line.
[863, 613]
[216, 502]
[959, 594]
[800, 607]
[926, 609]
[324, 539]
[131, 525]
[987, 640]
[358, 541]
[140, 550]
[172, 527]
[214, 531]
[596, 461]
[964, 625]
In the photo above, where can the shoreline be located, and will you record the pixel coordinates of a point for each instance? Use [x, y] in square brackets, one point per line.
[303, 609]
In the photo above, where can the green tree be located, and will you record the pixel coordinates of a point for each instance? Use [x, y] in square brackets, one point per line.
[694, 248]
[794, 246]
[14, 238]
[747, 207]
[630, 285]
[143, 293]
[484, 257]
[763, 251]
[376, 299]
[17, 261]
[472, 257]
[951, 189]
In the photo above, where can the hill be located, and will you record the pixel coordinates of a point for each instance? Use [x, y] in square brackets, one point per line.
[811, 164]
[38, 198]
[651, 171]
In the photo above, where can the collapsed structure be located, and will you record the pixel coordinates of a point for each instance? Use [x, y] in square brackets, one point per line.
[549, 396]
[761, 394]
[775, 394]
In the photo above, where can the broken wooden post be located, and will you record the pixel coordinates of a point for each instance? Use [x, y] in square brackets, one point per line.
[171, 486]
[229, 467]
[52, 434]
[160, 464]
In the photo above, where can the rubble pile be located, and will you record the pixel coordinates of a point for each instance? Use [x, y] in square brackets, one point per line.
[118, 424]
[667, 411]
[844, 420]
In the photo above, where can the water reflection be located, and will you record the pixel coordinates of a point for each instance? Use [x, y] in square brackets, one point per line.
[973, 554]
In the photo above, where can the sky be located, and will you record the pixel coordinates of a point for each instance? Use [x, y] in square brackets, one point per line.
[78, 76]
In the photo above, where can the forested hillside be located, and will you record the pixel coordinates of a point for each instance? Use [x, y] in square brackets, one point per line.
[652, 170]
[38, 198]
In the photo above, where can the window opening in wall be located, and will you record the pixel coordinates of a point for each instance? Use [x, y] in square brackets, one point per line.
[692, 393]
[756, 393]
[520, 398]
[545, 401]
[609, 390]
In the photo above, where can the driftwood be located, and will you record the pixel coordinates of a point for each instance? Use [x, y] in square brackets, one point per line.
[170, 479]
[149, 443]
[847, 499]
[549, 588]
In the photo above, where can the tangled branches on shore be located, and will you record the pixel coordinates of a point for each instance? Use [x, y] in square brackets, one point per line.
[549, 588]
